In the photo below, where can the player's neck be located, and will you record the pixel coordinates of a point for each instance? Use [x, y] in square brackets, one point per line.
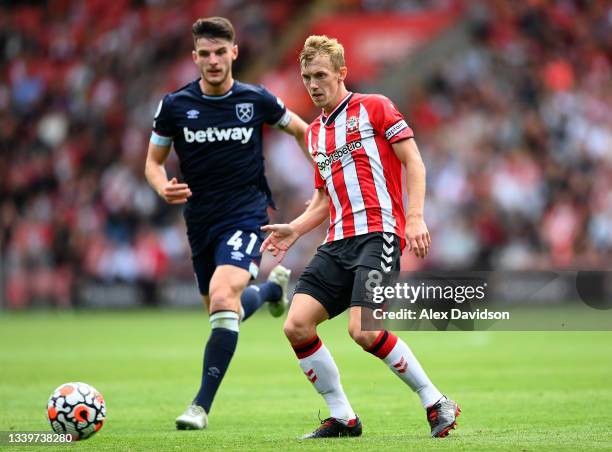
[340, 96]
[218, 90]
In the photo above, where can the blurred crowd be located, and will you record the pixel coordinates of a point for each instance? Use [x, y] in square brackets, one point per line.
[516, 133]
[79, 83]
[517, 136]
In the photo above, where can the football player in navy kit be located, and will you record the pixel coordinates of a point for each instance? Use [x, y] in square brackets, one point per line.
[215, 124]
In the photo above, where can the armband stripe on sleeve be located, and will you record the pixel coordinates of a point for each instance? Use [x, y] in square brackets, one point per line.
[395, 129]
[160, 140]
[284, 120]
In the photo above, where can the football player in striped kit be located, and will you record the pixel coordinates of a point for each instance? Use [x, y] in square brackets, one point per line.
[359, 144]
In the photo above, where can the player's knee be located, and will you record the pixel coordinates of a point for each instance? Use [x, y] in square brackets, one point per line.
[224, 298]
[298, 331]
[364, 338]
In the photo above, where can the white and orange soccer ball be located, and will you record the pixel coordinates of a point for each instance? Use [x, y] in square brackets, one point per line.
[76, 409]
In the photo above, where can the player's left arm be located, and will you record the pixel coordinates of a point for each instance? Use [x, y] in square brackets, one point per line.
[297, 127]
[278, 115]
[417, 234]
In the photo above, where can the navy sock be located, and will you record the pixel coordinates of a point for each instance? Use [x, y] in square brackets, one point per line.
[270, 291]
[254, 296]
[217, 356]
[251, 300]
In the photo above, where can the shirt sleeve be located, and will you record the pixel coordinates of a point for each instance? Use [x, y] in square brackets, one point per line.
[387, 120]
[275, 112]
[163, 125]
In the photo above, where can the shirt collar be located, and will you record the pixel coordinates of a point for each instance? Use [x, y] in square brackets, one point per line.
[219, 97]
[334, 114]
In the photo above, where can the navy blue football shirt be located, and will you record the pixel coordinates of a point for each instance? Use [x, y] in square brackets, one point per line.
[218, 140]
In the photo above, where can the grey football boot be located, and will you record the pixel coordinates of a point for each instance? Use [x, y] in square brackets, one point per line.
[442, 417]
[279, 275]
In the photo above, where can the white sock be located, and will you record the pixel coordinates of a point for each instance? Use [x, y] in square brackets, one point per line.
[321, 370]
[402, 362]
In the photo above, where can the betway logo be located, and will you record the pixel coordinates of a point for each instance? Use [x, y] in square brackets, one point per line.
[212, 134]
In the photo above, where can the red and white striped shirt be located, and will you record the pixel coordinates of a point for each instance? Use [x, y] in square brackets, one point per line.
[356, 165]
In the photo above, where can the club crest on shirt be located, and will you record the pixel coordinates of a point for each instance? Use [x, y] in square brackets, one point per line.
[352, 125]
[245, 111]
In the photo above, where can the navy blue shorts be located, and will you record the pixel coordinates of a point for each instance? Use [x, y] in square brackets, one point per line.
[238, 246]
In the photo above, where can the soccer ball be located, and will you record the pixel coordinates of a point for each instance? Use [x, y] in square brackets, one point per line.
[76, 409]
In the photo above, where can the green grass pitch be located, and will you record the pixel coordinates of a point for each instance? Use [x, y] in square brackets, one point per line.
[518, 390]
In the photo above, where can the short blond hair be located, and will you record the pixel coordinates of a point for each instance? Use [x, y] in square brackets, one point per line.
[322, 45]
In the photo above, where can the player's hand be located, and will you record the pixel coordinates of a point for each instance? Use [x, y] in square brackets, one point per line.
[417, 236]
[175, 193]
[281, 237]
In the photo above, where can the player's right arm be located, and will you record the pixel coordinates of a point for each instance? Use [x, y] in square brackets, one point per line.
[315, 214]
[155, 172]
[164, 128]
[283, 236]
